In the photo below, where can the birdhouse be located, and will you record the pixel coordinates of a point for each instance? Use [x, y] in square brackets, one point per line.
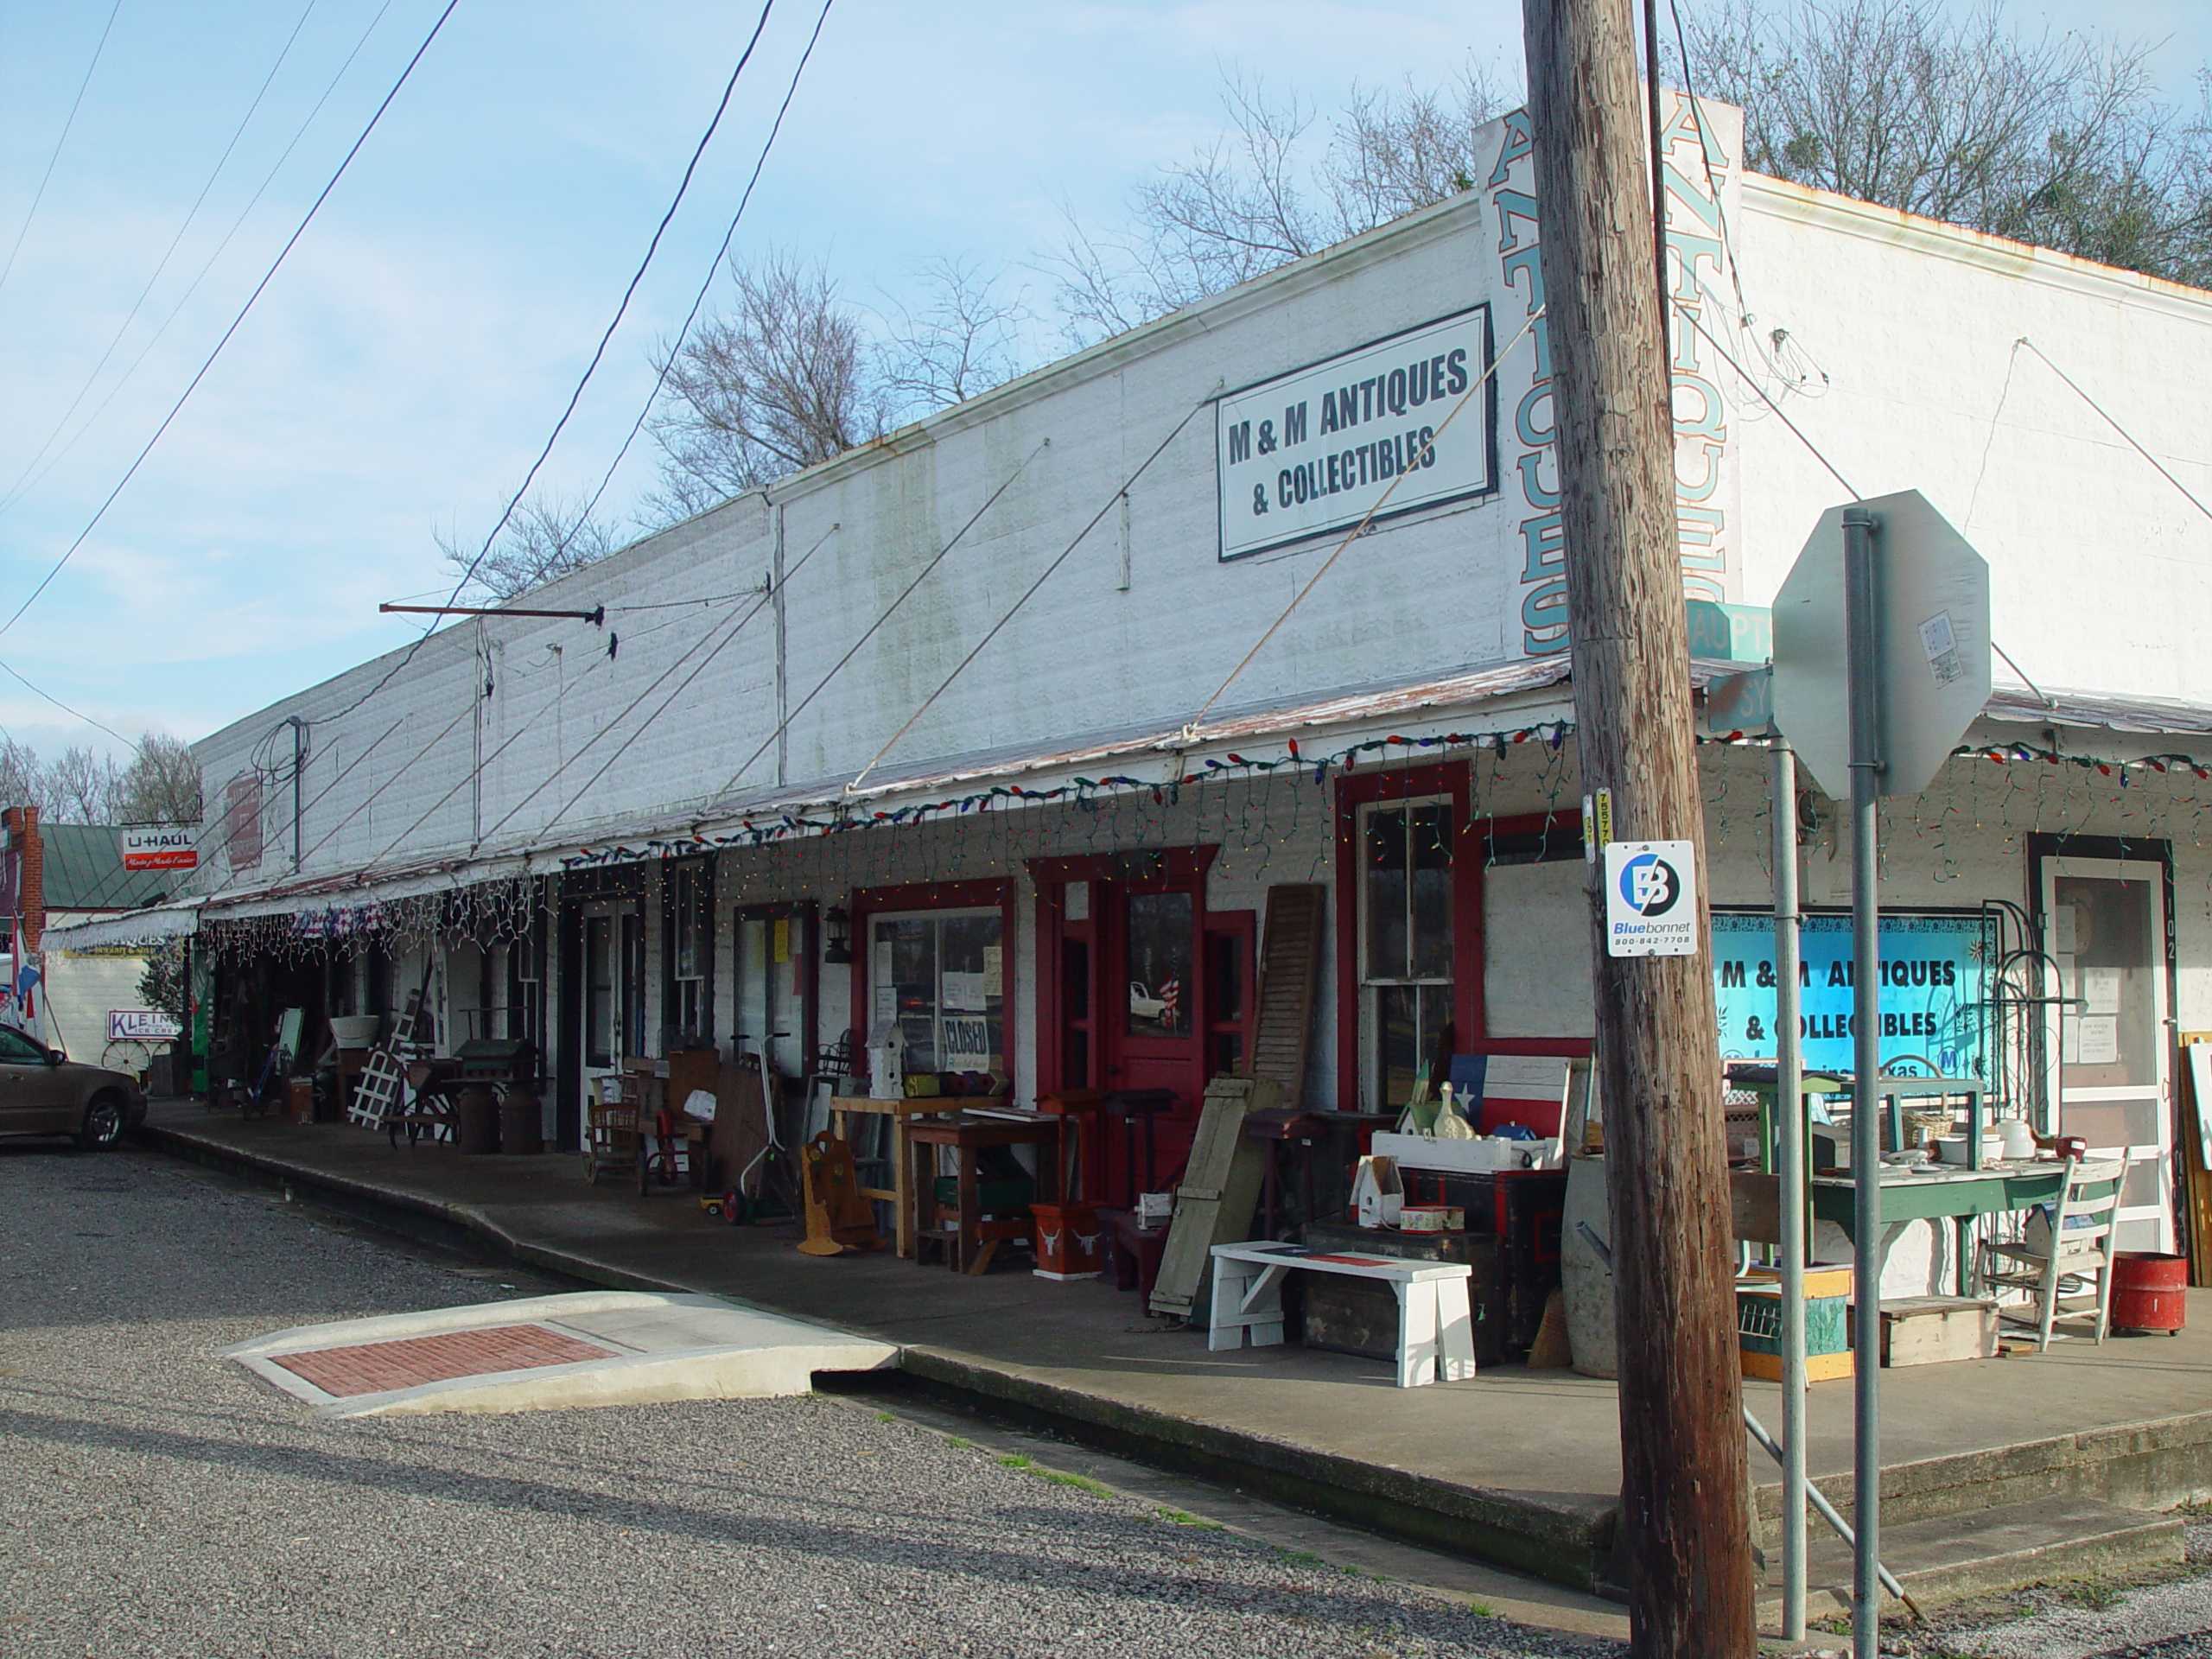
[1377, 1194]
[886, 1062]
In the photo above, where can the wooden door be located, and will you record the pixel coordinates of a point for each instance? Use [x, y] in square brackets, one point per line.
[1151, 1015]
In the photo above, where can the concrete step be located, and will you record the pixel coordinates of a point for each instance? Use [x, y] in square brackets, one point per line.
[1954, 1557]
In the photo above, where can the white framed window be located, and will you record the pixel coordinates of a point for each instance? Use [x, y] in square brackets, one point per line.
[1406, 918]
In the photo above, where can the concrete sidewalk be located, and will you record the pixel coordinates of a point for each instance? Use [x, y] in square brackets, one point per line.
[1515, 1466]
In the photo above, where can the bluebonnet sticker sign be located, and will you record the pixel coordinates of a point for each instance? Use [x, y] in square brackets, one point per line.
[1651, 898]
[1933, 982]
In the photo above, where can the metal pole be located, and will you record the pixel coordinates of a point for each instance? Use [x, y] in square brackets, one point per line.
[1859, 579]
[1789, 1109]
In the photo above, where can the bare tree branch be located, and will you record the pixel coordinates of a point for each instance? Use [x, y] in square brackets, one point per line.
[963, 340]
[2058, 141]
[546, 537]
[1265, 193]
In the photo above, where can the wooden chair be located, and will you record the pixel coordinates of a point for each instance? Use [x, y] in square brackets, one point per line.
[2077, 1250]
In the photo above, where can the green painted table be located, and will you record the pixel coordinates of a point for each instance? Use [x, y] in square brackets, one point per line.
[1930, 1194]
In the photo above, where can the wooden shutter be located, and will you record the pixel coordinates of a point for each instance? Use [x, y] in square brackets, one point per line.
[1290, 960]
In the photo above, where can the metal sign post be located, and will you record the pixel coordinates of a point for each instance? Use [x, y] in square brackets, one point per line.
[1865, 645]
[1881, 662]
[1789, 1143]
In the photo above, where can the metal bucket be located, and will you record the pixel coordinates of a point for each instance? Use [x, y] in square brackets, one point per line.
[2149, 1291]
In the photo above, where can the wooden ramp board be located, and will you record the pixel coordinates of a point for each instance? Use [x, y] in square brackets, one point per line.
[1290, 960]
[1219, 1190]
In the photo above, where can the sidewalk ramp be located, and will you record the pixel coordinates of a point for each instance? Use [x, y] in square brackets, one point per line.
[545, 1353]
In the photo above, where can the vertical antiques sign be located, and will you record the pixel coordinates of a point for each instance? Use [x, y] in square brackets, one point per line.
[1313, 452]
[1699, 177]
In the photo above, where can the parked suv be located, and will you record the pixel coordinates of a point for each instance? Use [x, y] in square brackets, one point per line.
[43, 1092]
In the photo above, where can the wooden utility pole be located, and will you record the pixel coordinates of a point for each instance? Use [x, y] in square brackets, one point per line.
[1684, 1480]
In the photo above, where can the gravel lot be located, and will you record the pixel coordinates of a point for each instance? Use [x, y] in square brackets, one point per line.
[157, 1501]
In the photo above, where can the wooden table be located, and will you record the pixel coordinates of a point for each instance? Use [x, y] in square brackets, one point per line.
[971, 1241]
[1929, 1192]
[899, 1195]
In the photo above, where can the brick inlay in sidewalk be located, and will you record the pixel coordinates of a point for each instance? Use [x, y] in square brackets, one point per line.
[373, 1367]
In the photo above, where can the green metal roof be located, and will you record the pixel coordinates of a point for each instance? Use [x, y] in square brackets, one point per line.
[84, 870]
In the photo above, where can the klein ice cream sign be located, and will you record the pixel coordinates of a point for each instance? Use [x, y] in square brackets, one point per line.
[166, 847]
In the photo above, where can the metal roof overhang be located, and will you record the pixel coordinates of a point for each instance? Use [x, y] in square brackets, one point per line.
[155, 925]
[1517, 695]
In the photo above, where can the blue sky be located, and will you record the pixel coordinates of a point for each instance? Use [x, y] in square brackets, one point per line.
[403, 368]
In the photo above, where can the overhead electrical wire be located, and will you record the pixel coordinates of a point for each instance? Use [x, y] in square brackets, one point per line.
[599, 352]
[883, 616]
[47, 177]
[26, 482]
[660, 378]
[268, 276]
[168, 253]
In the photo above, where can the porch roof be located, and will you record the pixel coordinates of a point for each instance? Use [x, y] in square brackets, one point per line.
[1425, 706]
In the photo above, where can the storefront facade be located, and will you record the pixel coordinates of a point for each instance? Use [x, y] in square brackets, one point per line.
[999, 733]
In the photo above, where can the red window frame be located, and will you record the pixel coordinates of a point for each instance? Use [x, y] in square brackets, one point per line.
[1452, 780]
[865, 902]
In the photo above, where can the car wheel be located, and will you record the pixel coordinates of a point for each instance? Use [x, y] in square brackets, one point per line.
[102, 1124]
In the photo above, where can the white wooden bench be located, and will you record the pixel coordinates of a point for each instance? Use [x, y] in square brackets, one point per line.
[1436, 1338]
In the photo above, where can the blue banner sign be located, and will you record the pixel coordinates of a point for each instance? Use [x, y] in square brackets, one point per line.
[1932, 991]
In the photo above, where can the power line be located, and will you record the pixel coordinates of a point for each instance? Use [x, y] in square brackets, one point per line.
[660, 378]
[1413, 460]
[1120, 491]
[867, 634]
[1692, 318]
[26, 483]
[39, 195]
[168, 253]
[598, 353]
[65, 707]
[267, 277]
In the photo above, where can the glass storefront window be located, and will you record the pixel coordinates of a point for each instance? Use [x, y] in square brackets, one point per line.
[1158, 956]
[940, 978]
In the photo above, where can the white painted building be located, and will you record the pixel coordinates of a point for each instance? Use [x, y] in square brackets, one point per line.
[1056, 685]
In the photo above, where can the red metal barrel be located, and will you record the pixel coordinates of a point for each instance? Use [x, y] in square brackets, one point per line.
[2149, 1291]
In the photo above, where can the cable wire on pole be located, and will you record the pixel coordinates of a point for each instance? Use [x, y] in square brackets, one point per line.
[660, 377]
[69, 122]
[24, 482]
[1191, 726]
[598, 353]
[170, 253]
[1120, 490]
[268, 276]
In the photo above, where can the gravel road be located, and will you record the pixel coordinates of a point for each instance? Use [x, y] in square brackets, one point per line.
[155, 1500]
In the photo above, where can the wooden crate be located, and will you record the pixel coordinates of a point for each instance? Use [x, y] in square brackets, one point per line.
[1930, 1329]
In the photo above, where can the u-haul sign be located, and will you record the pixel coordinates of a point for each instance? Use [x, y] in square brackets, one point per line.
[1411, 418]
[162, 847]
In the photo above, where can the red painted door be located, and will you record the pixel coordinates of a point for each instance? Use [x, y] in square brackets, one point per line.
[1151, 1012]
